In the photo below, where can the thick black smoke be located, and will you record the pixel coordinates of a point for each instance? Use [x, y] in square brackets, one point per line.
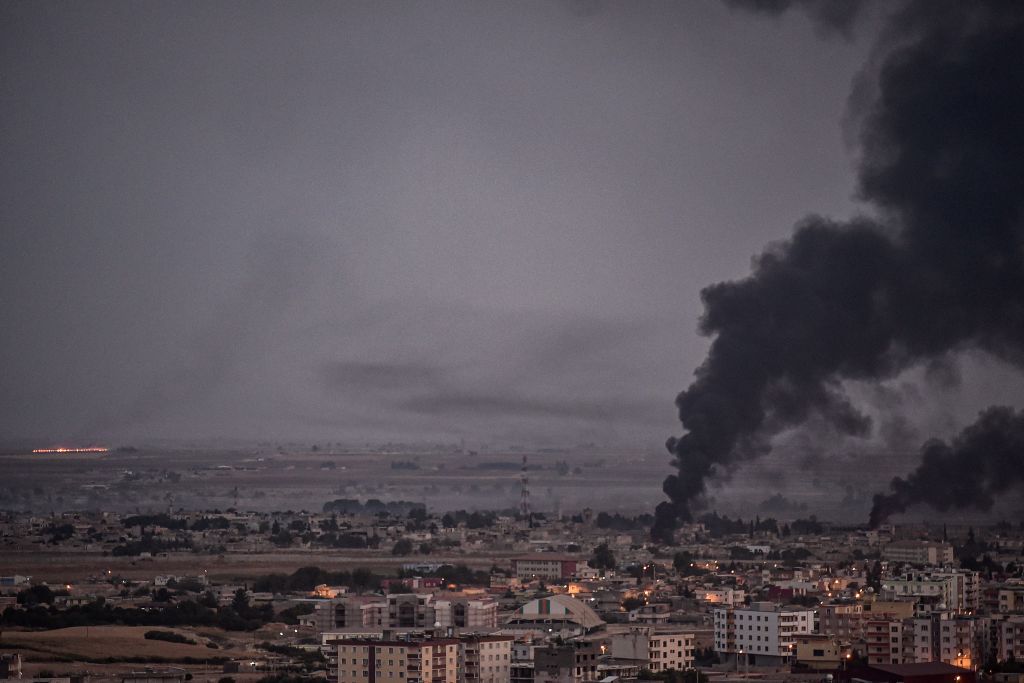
[985, 459]
[830, 15]
[941, 270]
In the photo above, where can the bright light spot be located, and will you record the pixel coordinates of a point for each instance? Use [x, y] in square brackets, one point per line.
[90, 449]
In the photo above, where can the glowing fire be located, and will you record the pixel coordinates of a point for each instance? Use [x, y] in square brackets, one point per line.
[88, 449]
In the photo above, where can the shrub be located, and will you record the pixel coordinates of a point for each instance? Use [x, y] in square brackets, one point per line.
[168, 636]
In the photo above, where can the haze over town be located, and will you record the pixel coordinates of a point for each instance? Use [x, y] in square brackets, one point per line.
[534, 342]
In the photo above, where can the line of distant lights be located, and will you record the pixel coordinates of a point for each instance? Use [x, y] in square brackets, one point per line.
[89, 449]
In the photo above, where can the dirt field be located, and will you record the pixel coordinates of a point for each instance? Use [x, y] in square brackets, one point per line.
[100, 642]
[71, 567]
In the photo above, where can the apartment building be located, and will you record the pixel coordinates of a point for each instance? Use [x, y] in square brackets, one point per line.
[364, 660]
[846, 622]
[722, 596]
[485, 659]
[959, 639]
[958, 591]
[762, 634]
[1009, 639]
[407, 611]
[919, 552]
[662, 648]
[965, 589]
[418, 657]
[883, 640]
[466, 612]
[948, 637]
[544, 566]
[1011, 599]
[573, 662]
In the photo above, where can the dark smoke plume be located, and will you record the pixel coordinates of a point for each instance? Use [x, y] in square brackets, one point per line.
[942, 270]
[830, 15]
[985, 459]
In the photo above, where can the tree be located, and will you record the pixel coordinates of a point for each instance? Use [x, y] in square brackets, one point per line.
[38, 594]
[603, 557]
[240, 603]
[402, 547]
[683, 562]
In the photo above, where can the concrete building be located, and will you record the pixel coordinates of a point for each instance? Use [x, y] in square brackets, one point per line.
[958, 591]
[428, 660]
[544, 566]
[662, 648]
[1011, 599]
[846, 621]
[883, 640]
[919, 552]
[762, 634]
[959, 639]
[573, 662]
[721, 596]
[955, 639]
[470, 612]
[818, 652]
[1009, 639]
[407, 611]
[486, 659]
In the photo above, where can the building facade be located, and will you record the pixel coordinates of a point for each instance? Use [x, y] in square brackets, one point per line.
[761, 634]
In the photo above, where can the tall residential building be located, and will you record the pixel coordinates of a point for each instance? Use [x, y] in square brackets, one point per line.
[360, 660]
[948, 637]
[957, 591]
[762, 634]
[486, 659]
[883, 640]
[420, 659]
[846, 622]
[1009, 639]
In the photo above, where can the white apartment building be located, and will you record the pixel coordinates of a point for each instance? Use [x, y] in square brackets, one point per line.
[957, 591]
[762, 634]
[919, 552]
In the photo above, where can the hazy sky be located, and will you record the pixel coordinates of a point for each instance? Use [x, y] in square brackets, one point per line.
[411, 220]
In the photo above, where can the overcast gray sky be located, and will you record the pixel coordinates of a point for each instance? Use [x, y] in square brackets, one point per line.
[392, 220]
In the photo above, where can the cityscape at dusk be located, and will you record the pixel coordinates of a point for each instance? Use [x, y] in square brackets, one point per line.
[470, 341]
